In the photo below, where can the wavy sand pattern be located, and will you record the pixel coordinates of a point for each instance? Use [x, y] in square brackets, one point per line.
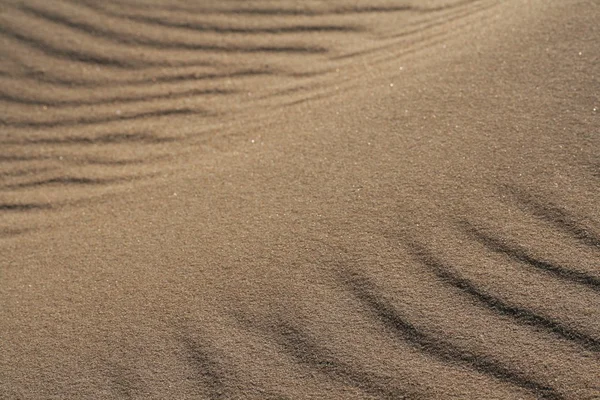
[299, 199]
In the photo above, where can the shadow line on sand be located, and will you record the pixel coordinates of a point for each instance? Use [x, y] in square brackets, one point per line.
[516, 253]
[443, 350]
[449, 276]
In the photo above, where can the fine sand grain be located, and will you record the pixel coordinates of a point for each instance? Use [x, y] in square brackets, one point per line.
[300, 199]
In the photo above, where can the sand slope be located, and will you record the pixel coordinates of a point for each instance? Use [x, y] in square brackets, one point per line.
[290, 200]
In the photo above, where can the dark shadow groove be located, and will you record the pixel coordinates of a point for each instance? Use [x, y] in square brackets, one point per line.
[153, 44]
[24, 172]
[344, 10]
[117, 162]
[196, 27]
[309, 13]
[66, 180]
[518, 254]
[101, 120]
[280, 11]
[556, 216]
[119, 99]
[448, 275]
[177, 78]
[95, 59]
[213, 28]
[306, 351]
[260, 11]
[111, 138]
[67, 54]
[443, 350]
[23, 206]
[17, 158]
[211, 375]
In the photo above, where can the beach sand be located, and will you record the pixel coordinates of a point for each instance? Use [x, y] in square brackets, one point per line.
[296, 200]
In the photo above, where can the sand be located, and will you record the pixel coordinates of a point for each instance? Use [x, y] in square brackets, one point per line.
[294, 200]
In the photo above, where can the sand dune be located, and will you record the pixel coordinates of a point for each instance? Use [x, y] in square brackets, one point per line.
[292, 200]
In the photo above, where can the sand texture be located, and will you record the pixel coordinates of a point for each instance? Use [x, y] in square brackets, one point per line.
[366, 199]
